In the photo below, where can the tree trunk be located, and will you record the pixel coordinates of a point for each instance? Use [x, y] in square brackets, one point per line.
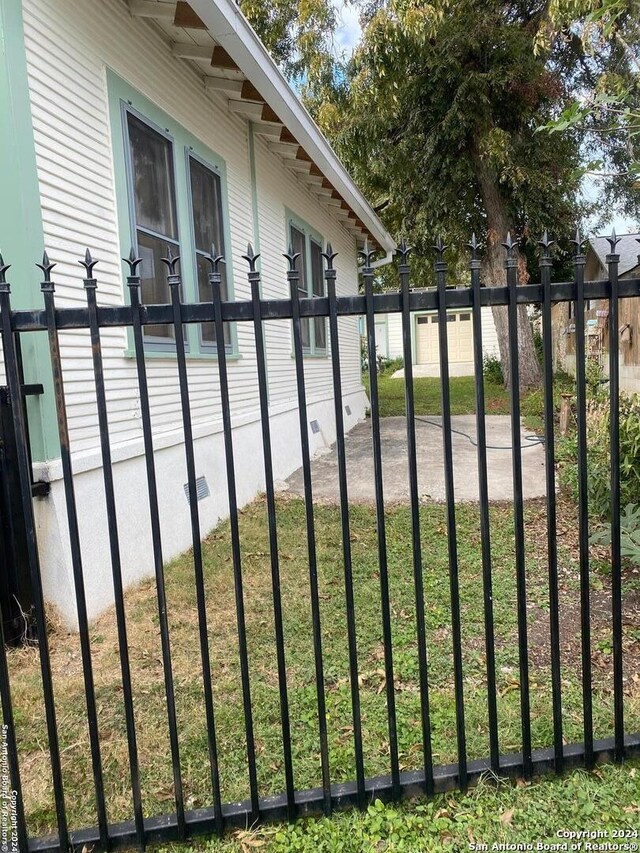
[494, 274]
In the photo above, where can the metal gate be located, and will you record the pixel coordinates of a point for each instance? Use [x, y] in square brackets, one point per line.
[142, 829]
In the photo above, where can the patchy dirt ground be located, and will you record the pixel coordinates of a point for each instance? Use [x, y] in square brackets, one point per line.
[569, 602]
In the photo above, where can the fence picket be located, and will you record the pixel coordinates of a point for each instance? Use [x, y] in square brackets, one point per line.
[143, 830]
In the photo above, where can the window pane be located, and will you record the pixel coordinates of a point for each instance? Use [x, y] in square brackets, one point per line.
[208, 330]
[153, 284]
[317, 285]
[152, 165]
[299, 245]
[206, 207]
[317, 277]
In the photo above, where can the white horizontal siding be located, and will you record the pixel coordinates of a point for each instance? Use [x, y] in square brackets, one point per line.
[76, 177]
[278, 189]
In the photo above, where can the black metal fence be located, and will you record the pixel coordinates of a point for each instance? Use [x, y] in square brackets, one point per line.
[181, 823]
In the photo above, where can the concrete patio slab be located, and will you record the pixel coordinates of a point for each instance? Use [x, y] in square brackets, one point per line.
[430, 462]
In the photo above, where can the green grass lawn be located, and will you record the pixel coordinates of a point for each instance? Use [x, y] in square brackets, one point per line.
[149, 691]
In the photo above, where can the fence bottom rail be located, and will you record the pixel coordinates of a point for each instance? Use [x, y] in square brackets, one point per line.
[309, 803]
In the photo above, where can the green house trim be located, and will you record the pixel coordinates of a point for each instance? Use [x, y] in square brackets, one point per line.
[21, 230]
[123, 97]
[310, 233]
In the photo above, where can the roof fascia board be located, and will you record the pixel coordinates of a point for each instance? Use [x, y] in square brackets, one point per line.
[232, 31]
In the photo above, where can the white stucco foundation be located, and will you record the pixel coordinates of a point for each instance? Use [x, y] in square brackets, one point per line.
[130, 485]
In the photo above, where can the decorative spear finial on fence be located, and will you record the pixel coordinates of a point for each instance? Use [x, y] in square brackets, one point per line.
[3, 272]
[291, 257]
[251, 258]
[613, 241]
[171, 263]
[46, 266]
[474, 247]
[578, 242]
[329, 255]
[88, 263]
[510, 246]
[215, 260]
[367, 255]
[440, 248]
[134, 262]
[402, 253]
[546, 244]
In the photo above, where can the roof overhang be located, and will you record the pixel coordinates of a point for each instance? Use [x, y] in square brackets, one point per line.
[236, 65]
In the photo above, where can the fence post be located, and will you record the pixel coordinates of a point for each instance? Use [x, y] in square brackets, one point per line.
[550, 479]
[330, 278]
[47, 287]
[418, 580]
[90, 285]
[579, 261]
[263, 394]
[613, 259]
[518, 506]
[293, 277]
[24, 475]
[133, 283]
[440, 268]
[483, 497]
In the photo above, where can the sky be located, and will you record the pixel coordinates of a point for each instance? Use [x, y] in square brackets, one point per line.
[348, 33]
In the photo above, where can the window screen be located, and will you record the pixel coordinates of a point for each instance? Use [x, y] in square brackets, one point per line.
[154, 203]
[206, 214]
[317, 286]
[298, 243]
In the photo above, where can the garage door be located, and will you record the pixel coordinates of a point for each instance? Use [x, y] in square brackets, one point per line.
[459, 334]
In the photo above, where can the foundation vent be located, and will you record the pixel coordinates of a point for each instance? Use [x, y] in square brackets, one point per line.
[347, 409]
[315, 427]
[202, 489]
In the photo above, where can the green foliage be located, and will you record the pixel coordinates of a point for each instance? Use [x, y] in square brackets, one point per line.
[388, 366]
[629, 533]
[299, 36]
[537, 343]
[437, 120]
[492, 369]
[607, 106]
[599, 452]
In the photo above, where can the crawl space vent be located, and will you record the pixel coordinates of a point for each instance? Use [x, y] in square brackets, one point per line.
[315, 427]
[202, 489]
[347, 409]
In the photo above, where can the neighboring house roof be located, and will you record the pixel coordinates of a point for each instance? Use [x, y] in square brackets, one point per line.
[628, 248]
[216, 38]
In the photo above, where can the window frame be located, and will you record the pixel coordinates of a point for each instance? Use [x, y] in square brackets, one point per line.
[310, 235]
[203, 346]
[151, 342]
[124, 99]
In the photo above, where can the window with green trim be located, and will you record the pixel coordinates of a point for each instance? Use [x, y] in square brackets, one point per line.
[175, 198]
[313, 330]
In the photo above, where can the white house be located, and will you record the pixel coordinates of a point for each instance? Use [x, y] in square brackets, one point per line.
[147, 123]
[424, 340]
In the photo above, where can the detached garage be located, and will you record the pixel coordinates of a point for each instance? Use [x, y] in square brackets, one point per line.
[425, 344]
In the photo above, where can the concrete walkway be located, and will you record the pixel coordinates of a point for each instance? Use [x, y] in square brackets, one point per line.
[430, 463]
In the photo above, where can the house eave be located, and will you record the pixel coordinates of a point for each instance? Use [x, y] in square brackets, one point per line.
[233, 33]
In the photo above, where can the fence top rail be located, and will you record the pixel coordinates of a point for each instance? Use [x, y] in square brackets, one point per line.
[386, 302]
